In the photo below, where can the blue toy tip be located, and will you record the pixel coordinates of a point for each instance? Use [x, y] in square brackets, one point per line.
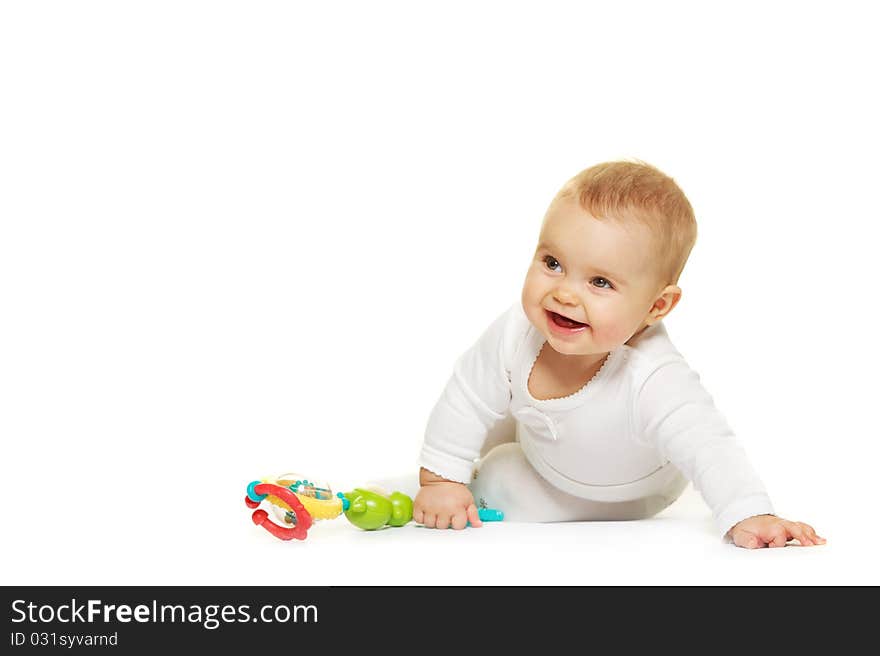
[252, 494]
[490, 515]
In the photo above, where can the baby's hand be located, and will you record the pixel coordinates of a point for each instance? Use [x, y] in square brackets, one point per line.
[441, 504]
[771, 531]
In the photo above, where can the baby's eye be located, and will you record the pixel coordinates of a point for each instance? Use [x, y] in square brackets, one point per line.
[551, 262]
[602, 282]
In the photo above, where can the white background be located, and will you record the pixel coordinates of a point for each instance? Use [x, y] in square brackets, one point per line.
[240, 239]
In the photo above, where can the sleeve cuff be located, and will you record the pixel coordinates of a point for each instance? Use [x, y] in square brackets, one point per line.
[757, 504]
[449, 467]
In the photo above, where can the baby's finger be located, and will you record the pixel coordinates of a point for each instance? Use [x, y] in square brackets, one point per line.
[812, 533]
[419, 516]
[442, 521]
[746, 540]
[778, 536]
[473, 516]
[429, 520]
[459, 520]
[796, 531]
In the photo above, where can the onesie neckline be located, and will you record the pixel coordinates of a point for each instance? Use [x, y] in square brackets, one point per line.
[536, 341]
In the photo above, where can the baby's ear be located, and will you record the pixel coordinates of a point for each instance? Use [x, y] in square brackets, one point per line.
[665, 301]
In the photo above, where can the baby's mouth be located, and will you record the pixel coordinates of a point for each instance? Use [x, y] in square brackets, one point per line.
[564, 322]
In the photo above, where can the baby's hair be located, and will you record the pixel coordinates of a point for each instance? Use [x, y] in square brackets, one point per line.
[634, 190]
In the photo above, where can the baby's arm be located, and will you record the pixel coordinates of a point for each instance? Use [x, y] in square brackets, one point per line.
[475, 398]
[675, 412]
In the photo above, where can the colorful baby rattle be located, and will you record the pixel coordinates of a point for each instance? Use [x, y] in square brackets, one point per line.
[298, 502]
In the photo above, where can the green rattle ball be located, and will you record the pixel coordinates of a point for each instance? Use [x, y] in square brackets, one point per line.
[370, 510]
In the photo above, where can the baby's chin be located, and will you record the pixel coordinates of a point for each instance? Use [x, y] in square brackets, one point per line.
[564, 348]
[586, 345]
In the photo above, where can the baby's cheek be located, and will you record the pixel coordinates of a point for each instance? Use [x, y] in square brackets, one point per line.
[611, 335]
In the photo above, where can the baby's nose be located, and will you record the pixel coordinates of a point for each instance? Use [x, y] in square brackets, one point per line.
[565, 296]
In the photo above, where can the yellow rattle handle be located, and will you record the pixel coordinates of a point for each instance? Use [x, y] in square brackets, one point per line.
[321, 508]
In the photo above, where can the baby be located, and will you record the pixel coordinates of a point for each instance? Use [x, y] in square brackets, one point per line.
[574, 400]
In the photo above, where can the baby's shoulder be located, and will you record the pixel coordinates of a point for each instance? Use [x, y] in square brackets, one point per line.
[517, 328]
[505, 335]
[649, 351]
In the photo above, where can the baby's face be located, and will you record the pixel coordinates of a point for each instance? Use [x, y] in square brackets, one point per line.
[591, 283]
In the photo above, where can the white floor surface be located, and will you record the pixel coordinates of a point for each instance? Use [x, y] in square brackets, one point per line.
[218, 545]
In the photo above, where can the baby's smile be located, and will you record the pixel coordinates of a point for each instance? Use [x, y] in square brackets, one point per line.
[564, 325]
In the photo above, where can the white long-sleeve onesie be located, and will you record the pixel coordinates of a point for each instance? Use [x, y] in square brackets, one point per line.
[641, 421]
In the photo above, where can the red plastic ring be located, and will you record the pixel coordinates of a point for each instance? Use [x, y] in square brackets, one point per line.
[303, 518]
